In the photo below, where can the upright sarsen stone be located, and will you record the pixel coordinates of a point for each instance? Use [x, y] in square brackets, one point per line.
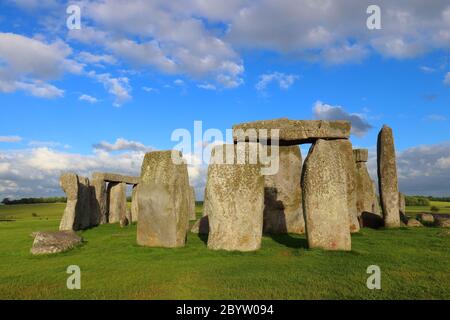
[346, 152]
[387, 178]
[69, 184]
[163, 201]
[117, 201]
[366, 199]
[235, 203]
[101, 206]
[324, 185]
[191, 194]
[134, 204]
[283, 210]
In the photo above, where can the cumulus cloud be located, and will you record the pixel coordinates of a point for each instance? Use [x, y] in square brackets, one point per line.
[10, 139]
[118, 87]
[88, 98]
[284, 81]
[122, 144]
[95, 59]
[324, 111]
[28, 64]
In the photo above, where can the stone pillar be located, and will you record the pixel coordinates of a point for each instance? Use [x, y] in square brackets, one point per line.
[346, 151]
[117, 201]
[324, 185]
[387, 178]
[192, 215]
[234, 202]
[69, 184]
[163, 201]
[80, 200]
[283, 210]
[134, 204]
[101, 206]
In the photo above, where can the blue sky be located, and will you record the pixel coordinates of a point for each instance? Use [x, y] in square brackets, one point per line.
[98, 98]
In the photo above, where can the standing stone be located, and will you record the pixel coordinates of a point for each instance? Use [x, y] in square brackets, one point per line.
[387, 178]
[283, 210]
[192, 215]
[366, 198]
[325, 197]
[163, 201]
[402, 203]
[376, 200]
[78, 212]
[134, 204]
[69, 184]
[346, 152]
[101, 206]
[117, 201]
[235, 203]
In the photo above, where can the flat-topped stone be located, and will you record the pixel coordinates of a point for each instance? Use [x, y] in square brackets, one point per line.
[115, 177]
[361, 155]
[295, 131]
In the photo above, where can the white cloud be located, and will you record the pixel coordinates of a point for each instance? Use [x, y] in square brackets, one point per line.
[88, 57]
[88, 98]
[207, 86]
[28, 64]
[324, 111]
[447, 78]
[10, 139]
[47, 144]
[122, 144]
[149, 89]
[426, 69]
[285, 81]
[435, 117]
[118, 87]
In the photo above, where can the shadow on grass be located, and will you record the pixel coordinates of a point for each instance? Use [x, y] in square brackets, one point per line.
[289, 241]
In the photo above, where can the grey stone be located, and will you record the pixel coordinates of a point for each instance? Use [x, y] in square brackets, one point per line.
[387, 178]
[235, 203]
[114, 177]
[80, 212]
[442, 222]
[325, 197]
[191, 194]
[117, 199]
[292, 132]
[401, 203]
[101, 205]
[134, 205]
[346, 152]
[426, 218]
[54, 242]
[361, 155]
[163, 201]
[366, 199]
[413, 223]
[283, 211]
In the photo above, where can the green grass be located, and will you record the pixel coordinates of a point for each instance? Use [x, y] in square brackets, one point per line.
[415, 264]
[444, 207]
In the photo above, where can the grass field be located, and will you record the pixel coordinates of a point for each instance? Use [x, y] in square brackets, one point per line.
[415, 264]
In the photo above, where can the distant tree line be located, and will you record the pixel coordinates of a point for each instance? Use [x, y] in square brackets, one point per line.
[8, 201]
[417, 201]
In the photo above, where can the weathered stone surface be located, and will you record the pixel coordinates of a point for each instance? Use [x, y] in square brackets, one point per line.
[125, 220]
[426, 218]
[361, 155]
[325, 197]
[191, 194]
[201, 226]
[292, 132]
[366, 199]
[134, 205]
[101, 205]
[401, 203]
[114, 177]
[80, 212]
[283, 210]
[235, 204]
[117, 197]
[346, 152]
[54, 242]
[387, 178]
[163, 201]
[376, 200]
[412, 223]
[443, 222]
